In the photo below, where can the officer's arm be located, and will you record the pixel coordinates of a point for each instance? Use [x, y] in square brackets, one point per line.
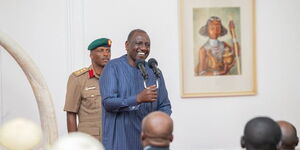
[71, 122]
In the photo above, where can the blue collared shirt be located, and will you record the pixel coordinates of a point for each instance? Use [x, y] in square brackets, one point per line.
[121, 115]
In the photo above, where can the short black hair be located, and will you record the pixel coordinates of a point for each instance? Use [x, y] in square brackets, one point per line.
[130, 35]
[262, 133]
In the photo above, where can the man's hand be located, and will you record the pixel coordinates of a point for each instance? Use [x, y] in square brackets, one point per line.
[71, 122]
[147, 95]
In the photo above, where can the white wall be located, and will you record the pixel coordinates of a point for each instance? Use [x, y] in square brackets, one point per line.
[39, 27]
[56, 33]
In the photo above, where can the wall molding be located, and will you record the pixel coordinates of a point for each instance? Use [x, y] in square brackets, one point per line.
[75, 37]
[1, 86]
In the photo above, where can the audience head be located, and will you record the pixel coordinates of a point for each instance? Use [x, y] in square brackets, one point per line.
[20, 134]
[157, 130]
[77, 141]
[261, 133]
[289, 139]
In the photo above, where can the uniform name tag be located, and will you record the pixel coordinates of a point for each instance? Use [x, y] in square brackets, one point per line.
[90, 88]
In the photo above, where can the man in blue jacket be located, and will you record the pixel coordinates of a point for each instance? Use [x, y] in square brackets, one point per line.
[125, 100]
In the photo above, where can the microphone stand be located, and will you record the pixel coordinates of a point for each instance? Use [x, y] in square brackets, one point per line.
[152, 63]
[145, 86]
[140, 65]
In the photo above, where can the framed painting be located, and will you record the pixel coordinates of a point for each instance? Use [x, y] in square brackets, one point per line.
[217, 47]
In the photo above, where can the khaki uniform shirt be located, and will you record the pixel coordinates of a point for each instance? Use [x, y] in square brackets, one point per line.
[83, 97]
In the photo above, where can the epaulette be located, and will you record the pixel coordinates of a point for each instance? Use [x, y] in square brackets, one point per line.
[81, 71]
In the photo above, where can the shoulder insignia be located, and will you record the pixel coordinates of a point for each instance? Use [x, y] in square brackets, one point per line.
[81, 71]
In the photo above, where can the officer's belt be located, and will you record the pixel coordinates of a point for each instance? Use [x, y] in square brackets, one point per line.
[88, 119]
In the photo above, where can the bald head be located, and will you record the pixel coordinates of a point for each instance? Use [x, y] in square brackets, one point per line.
[289, 139]
[157, 129]
[261, 133]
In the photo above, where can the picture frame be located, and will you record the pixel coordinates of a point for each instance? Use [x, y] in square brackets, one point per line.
[217, 48]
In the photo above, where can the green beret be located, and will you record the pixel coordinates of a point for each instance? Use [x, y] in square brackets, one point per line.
[103, 42]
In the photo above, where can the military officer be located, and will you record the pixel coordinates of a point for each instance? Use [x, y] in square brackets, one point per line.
[83, 97]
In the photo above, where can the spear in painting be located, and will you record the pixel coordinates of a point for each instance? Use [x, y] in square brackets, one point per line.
[235, 44]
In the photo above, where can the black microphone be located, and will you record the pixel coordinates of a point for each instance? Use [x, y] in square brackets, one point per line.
[140, 64]
[152, 63]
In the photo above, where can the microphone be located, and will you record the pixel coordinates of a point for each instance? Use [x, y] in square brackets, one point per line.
[152, 63]
[140, 64]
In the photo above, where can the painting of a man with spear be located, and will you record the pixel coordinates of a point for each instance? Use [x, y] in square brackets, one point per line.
[217, 57]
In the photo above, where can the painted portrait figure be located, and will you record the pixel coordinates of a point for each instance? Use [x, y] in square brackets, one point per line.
[217, 57]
